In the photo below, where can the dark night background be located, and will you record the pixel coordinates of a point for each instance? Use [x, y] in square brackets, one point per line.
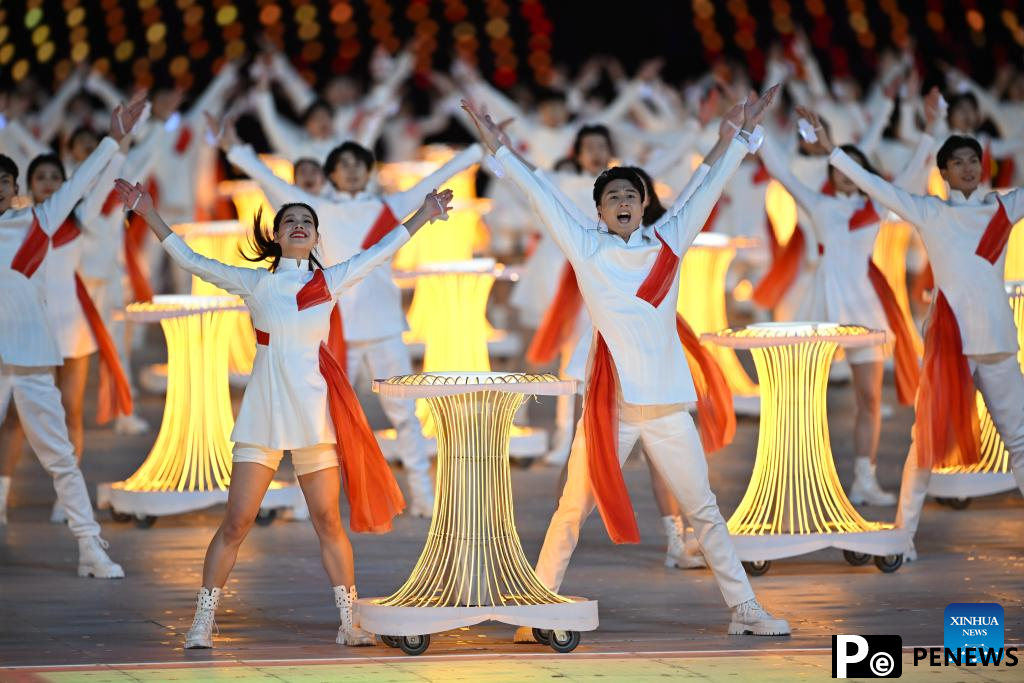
[512, 40]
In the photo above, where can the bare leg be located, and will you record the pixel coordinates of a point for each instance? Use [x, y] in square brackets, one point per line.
[867, 426]
[71, 378]
[321, 489]
[249, 483]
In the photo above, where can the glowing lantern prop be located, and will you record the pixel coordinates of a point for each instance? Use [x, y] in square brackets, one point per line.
[795, 503]
[992, 472]
[221, 240]
[189, 466]
[472, 568]
[702, 305]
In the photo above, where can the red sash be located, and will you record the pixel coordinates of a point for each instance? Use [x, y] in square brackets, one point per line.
[709, 224]
[907, 370]
[782, 273]
[33, 249]
[115, 396]
[136, 231]
[600, 410]
[184, 139]
[385, 223]
[559, 320]
[946, 429]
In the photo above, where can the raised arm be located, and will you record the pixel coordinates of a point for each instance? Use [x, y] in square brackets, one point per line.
[404, 203]
[879, 120]
[278, 190]
[398, 70]
[778, 168]
[96, 196]
[52, 114]
[435, 206]
[232, 279]
[28, 144]
[295, 87]
[102, 88]
[212, 99]
[283, 137]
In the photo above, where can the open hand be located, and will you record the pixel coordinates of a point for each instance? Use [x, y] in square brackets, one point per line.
[125, 116]
[135, 197]
[812, 117]
[436, 205]
[490, 133]
[224, 131]
[755, 107]
[731, 122]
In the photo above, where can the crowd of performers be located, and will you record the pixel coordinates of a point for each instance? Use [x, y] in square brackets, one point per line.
[600, 196]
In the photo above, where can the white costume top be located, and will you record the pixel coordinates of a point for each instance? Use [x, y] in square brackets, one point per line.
[67, 319]
[841, 291]
[642, 338]
[951, 231]
[371, 309]
[25, 335]
[285, 402]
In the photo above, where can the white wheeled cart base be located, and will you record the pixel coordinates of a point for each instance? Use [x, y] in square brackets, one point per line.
[146, 506]
[410, 627]
[884, 546]
[956, 489]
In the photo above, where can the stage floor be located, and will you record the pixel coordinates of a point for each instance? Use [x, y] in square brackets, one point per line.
[655, 622]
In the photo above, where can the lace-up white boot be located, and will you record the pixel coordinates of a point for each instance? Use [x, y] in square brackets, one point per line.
[679, 554]
[5, 489]
[749, 618]
[93, 560]
[865, 489]
[348, 632]
[200, 635]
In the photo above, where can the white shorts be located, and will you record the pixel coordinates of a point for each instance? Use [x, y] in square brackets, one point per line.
[304, 460]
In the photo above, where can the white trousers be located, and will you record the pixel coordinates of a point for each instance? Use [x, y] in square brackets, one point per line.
[42, 417]
[380, 359]
[1002, 386]
[672, 444]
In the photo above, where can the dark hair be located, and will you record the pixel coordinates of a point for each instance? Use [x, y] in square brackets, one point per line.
[959, 98]
[315, 105]
[79, 132]
[358, 151]
[8, 166]
[567, 164]
[307, 160]
[655, 209]
[618, 173]
[593, 129]
[264, 247]
[545, 94]
[951, 145]
[46, 160]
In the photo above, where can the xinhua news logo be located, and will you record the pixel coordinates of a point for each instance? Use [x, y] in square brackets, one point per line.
[972, 628]
[867, 656]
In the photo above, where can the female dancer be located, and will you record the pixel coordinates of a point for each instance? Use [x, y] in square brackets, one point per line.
[298, 398]
[849, 288]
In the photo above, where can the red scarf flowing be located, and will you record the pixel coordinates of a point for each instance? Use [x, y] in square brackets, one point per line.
[600, 410]
[559, 320]
[386, 222]
[946, 429]
[372, 492]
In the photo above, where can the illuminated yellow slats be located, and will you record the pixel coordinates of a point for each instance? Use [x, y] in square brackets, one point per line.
[1015, 254]
[891, 258]
[192, 451]
[794, 488]
[473, 555]
[702, 305]
[995, 459]
[781, 208]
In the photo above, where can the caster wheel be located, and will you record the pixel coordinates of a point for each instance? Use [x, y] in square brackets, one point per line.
[121, 517]
[390, 641]
[266, 517]
[942, 501]
[542, 635]
[414, 645]
[887, 564]
[144, 521]
[564, 641]
[757, 567]
[856, 559]
[958, 503]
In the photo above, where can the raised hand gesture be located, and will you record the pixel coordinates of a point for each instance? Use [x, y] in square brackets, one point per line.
[731, 122]
[932, 108]
[755, 107]
[125, 116]
[823, 137]
[490, 133]
[224, 130]
[135, 197]
[436, 205]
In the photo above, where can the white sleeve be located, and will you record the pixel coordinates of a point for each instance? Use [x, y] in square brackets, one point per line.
[52, 115]
[1014, 203]
[913, 177]
[695, 181]
[60, 204]
[282, 137]
[294, 85]
[212, 99]
[880, 114]
[565, 230]
[343, 275]
[404, 203]
[278, 190]
[917, 209]
[29, 145]
[683, 227]
[96, 196]
[779, 170]
[232, 279]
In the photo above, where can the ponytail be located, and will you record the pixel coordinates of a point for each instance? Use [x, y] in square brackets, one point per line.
[263, 246]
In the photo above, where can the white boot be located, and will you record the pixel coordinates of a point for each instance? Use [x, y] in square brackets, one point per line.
[676, 555]
[910, 554]
[93, 560]
[865, 489]
[749, 618]
[200, 635]
[5, 488]
[421, 491]
[57, 514]
[130, 425]
[349, 633]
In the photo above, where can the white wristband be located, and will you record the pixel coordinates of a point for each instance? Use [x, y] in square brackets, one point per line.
[807, 132]
[752, 139]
